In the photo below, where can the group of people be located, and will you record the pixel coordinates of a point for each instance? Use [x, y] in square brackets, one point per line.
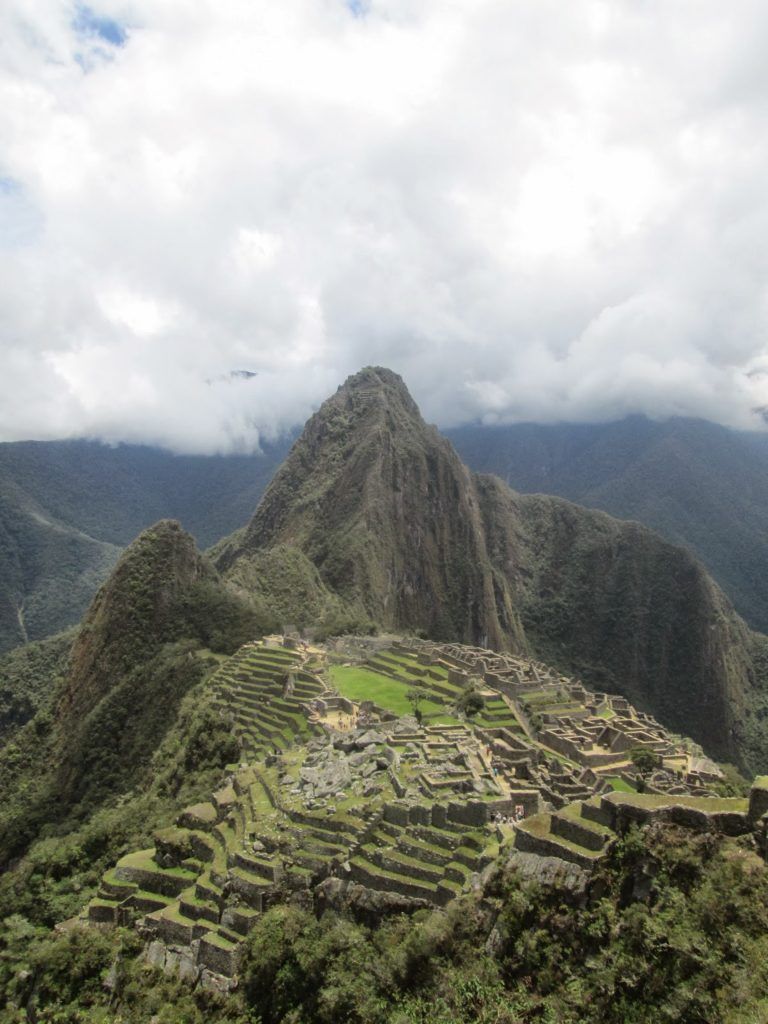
[497, 818]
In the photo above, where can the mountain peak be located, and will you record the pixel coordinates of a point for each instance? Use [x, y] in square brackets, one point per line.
[372, 388]
[374, 377]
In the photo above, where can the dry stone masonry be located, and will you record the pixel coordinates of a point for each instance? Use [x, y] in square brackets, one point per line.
[337, 801]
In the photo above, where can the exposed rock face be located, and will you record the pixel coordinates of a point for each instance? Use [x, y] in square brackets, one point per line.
[367, 905]
[380, 512]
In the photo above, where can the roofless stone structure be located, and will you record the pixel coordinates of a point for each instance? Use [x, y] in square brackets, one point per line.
[339, 800]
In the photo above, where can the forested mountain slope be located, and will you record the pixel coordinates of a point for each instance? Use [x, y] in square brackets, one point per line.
[67, 508]
[697, 484]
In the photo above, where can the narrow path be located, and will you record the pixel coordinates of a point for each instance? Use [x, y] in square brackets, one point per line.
[22, 623]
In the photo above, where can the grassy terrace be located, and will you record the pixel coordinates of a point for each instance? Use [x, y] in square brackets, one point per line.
[619, 785]
[251, 688]
[574, 811]
[539, 826]
[359, 683]
[700, 803]
[363, 684]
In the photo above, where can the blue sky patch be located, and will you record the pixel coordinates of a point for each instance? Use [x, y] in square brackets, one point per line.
[359, 8]
[20, 221]
[96, 26]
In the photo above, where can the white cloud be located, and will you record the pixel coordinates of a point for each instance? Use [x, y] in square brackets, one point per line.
[532, 210]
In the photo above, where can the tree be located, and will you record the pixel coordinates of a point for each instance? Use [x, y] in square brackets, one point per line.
[416, 696]
[471, 703]
[644, 759]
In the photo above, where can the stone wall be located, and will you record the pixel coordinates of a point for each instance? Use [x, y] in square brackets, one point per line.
[544, 847]
[758, 799]
[570, 829]
[419, 814]
[366, 877]
[529, 799]
[457, 676]
[217, 959]
[396, 814]
[153, 881]
[474, 813]
[626, 813]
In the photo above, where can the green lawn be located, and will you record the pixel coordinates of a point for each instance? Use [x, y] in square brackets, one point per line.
[363, 684]
[619, 785]
[439, 719]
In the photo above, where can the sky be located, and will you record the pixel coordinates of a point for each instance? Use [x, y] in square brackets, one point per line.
[533, 210]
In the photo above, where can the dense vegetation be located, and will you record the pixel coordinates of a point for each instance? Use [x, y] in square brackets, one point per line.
[68, 507]
[699, 485]
[104, 705]
[60, 869]
[675, 929]
[28, 676]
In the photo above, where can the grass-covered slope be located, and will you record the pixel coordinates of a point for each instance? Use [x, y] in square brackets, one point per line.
[107, 702]
[29, 677]
[49, 571]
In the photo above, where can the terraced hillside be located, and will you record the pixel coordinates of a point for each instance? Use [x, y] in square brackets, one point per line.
[581, 832]
[265, 692]
[340, 794]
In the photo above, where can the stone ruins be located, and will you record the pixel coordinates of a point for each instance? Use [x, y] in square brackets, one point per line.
[342, 802]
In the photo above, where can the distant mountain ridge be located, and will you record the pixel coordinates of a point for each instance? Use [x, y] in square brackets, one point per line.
[67, 508]
[374, 510]
[698, 484]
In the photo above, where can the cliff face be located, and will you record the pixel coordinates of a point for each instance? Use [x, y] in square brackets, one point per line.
[626, 611]
[380, 508]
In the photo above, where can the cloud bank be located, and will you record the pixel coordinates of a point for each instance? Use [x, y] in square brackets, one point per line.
[532, 210]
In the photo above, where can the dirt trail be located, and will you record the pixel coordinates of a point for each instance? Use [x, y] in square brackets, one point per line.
[22, 623]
